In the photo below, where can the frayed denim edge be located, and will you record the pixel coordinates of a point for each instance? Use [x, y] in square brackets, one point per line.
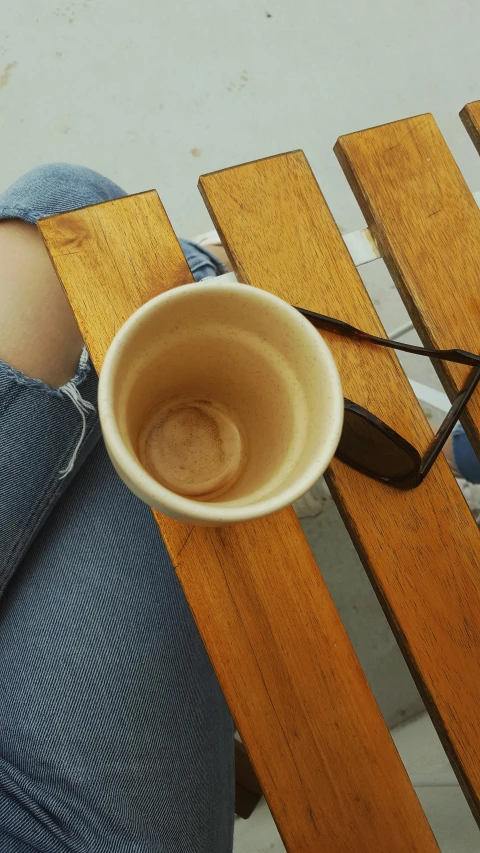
[83, 369]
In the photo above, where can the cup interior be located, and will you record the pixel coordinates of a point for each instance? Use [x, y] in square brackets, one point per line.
[225, 395]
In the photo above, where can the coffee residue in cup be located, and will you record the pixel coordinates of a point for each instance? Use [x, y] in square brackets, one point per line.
[193, 447]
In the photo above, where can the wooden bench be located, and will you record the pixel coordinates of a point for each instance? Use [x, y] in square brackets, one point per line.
[319, 746]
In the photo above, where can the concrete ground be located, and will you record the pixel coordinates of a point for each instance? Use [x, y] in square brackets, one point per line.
[154, 94]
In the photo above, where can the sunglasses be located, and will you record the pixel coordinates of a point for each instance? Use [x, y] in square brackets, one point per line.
[370, 445]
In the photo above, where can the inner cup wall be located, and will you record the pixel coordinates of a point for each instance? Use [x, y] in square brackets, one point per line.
[250, 359]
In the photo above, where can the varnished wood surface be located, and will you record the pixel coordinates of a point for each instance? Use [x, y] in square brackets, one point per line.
[319, 746]
[420, 548]
[470, 116]
[427, 226]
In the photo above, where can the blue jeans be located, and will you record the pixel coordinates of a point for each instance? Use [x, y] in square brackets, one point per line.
[114, 734]
[465, 458]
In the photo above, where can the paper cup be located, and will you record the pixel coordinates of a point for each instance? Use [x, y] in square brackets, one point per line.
[219, 403]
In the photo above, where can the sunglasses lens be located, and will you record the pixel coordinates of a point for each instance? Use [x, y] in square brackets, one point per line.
[367, 444]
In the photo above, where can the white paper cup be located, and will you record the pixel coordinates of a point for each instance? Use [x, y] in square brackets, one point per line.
[219, 403]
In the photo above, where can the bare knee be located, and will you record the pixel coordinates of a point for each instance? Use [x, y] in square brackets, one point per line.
[38, 331]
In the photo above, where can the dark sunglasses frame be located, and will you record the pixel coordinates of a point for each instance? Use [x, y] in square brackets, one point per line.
[421, 467]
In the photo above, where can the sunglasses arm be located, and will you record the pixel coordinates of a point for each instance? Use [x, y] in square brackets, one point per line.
[330, 324]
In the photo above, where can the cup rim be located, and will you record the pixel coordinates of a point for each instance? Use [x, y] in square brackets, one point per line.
[158, 496]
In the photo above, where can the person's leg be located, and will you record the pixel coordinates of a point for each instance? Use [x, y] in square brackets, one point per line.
[38, 332]
[39, 348]
[461, 456]
[114, 734]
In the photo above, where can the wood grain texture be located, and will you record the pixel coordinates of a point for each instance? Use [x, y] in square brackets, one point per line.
[470, 116]
[124, 252]
[427, 226]
[421, 548]
[316, 738]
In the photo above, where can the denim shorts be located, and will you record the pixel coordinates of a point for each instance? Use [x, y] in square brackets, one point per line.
[114, 733]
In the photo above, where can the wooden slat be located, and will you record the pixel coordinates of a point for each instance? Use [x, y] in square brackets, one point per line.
[419, 547]
[139, 258]
[427, 225]
[316, 738]
[470, 116]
